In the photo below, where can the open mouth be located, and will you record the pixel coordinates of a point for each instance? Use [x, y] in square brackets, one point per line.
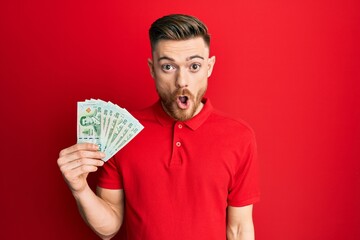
[183, 102]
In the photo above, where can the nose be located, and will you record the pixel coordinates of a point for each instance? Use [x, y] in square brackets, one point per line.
[181, 79]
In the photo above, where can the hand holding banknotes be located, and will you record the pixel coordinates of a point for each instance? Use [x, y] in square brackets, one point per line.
[77, 161]
[103, 128]
[105, 124]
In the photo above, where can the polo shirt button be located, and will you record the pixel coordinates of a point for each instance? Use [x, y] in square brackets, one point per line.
[178, 144]
[180, 126]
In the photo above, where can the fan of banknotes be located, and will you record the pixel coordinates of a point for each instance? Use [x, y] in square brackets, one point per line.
[105, 124]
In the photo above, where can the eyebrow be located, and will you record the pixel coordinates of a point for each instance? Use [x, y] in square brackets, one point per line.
[187, 59]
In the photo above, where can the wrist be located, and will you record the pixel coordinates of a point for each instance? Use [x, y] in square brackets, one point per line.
[80, 194]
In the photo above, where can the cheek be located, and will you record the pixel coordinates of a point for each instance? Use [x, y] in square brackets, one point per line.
[163, 83]
[200, 80]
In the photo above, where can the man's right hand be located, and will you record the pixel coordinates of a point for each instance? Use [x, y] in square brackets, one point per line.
[76, 162]
[104, 213]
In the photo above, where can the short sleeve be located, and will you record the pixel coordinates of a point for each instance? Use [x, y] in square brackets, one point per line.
[244, 189]
[109, 175]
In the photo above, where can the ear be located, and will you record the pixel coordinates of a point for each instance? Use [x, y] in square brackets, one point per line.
[211, 63]
[151, 67]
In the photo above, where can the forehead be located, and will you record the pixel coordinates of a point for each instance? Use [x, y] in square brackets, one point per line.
[181, 49]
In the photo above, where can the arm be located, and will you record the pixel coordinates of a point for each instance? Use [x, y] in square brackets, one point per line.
[239, 223]
[103, 213]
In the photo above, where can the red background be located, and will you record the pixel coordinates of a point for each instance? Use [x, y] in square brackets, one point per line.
[289, 68]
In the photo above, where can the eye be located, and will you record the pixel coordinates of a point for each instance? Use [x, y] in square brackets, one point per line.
[167, 67]
[195, 67]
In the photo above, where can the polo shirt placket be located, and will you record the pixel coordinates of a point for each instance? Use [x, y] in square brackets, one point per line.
[177, 156]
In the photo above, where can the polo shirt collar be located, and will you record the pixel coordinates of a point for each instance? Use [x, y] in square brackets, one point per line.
[193, 123]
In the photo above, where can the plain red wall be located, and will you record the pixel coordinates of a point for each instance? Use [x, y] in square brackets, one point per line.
[289, 68]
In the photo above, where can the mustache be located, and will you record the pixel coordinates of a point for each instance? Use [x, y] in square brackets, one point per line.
[181, 92]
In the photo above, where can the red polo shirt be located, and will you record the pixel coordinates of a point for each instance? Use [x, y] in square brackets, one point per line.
[179, 177]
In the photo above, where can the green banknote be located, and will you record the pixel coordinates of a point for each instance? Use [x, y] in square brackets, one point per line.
[105, 124]
[88, 122]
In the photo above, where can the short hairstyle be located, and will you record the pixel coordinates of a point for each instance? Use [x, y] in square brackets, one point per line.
[177, 27]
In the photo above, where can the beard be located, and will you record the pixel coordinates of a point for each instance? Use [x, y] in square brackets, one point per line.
[169, 103]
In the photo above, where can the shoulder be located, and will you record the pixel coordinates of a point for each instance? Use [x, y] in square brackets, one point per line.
[146, 113]
[234, 131]
[231, 123]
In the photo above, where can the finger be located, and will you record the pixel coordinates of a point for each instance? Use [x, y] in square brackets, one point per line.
[79, 147]
[79, 155]
[81, 170]
[79, 162]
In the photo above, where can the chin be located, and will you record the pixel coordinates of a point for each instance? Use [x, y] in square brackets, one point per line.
[183, 115]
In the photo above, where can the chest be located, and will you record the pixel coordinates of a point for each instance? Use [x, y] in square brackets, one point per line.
[179, 160]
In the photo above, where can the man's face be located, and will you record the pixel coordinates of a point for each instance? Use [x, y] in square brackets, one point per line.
[181, 70]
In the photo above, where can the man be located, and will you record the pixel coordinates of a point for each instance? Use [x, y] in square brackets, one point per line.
[191, 173]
